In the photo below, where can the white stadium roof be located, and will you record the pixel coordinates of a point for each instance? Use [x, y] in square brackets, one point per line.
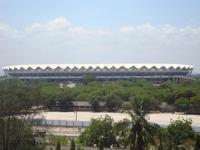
[63, 66]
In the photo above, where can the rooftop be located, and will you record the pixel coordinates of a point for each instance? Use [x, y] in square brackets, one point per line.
[63, 66]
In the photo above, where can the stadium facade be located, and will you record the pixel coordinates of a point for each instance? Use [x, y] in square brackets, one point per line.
[77, 72]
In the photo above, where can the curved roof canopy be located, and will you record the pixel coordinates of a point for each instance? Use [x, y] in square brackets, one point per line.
[98, 66]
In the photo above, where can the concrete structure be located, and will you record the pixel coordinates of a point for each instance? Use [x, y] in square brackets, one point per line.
[77, 72]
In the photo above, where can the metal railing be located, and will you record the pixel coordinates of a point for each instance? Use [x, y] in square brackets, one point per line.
[60, 123]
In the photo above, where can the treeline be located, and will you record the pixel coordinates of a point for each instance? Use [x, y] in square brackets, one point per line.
[181, 96]
[168, 96]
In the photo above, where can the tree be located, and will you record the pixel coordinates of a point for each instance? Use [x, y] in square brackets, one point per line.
[182, 104]
[14, 134]
[113, 102]
[197, 143]
[73, 145]
[167, 90]
[88, 78]
[95, 104]
[148, 101]
[184, 92]
[163, 137]
[64, 105]
[99, 129]
[58, 145]
[195, 104]
[141, 133]
[101, 145]
[121, 130]
[18, 99]
[179, 132]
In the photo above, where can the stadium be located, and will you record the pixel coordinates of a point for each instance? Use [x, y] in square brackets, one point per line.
[101, 72]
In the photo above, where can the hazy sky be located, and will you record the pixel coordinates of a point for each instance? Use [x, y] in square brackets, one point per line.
[100, 31]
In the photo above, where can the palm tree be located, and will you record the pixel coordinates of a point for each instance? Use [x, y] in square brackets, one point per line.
[141, 132]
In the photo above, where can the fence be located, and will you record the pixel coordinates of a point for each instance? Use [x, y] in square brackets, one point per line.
[78, 124]
[85, 148]
[60, 123]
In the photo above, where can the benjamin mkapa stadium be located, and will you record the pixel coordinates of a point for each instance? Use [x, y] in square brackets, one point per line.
[101, 72]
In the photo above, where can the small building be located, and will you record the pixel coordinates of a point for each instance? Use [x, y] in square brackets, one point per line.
[86, 106]
[82, 106]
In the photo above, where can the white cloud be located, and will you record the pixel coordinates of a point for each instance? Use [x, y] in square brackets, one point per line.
[58, 24]
[6, 31]
[126, 29]
[58, 41]
[34, 28]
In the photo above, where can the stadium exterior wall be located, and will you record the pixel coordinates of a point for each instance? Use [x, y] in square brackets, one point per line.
[77, 72]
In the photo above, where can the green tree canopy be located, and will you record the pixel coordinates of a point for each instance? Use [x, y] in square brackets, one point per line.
[180, 131]
[99, 129]
[18, 102]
